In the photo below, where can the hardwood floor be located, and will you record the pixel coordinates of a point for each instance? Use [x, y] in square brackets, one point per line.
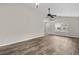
[47, 45]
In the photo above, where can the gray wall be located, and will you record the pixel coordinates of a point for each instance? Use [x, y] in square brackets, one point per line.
[66, 13]
[71, 22]
[19, 22]
[61, 9]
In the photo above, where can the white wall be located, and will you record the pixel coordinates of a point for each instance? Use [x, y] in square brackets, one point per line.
[19, 22]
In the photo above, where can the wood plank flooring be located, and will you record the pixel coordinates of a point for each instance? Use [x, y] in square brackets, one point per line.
[47, 45]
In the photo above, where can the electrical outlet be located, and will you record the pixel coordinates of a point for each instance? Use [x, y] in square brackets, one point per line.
[61, 27]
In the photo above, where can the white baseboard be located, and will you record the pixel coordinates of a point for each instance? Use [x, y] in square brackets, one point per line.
[28, 37]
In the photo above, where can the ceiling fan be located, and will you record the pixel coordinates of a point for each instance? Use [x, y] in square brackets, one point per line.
[49, 14]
